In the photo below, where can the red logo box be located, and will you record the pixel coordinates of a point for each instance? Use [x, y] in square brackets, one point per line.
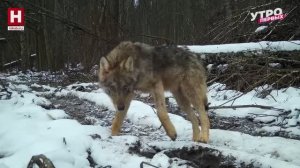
[15, 19]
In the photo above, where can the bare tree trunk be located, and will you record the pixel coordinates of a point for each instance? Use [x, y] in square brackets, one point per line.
[46, 39]
[115, 27]
[23, 52]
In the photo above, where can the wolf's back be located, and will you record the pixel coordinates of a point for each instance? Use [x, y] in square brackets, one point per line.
[164, 57]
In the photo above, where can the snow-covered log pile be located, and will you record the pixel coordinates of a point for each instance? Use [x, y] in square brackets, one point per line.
[246, 66]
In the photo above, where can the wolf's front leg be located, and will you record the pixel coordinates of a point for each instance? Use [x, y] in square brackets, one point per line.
[159, 97]
[120, 116]
[118, 122]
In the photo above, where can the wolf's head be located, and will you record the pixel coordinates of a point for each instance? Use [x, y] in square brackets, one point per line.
[117, 75]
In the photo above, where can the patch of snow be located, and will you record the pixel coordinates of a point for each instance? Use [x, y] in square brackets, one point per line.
[114, 151]
[260, 29]
[19, 87]
[27, 130]
[271, 129]
[80, 66]
[136, 3]
[209, 66]
[240, 47]
[265, 119]
[275, 65]
[57, 114]
[202, 56]
[270, 147]
[168, 94]
[256, 160]
[294, 130]
[72, 86]
[160, 160]
[97, 96]
[292, 122]
[13, 78]
[144, 94]
[222, 67]
[284, 98]
[35, 85]
[94, 70]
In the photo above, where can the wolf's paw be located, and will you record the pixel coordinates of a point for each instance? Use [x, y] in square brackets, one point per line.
[115, 131]
[203, 137]
[196, 137]
[172, 134]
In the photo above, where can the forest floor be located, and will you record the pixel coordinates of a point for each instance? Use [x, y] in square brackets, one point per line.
[69, 122]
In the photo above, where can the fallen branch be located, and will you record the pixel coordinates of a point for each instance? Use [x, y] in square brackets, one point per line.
[12, 64]
[146, 163]
[41, 160]
[248, 106]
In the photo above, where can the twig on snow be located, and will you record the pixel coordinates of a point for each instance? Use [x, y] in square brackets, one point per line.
[248, 106]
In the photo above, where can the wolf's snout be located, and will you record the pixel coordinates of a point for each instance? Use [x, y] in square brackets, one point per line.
[121, 107]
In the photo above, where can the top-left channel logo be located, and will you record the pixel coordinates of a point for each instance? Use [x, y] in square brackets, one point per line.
[15, 19]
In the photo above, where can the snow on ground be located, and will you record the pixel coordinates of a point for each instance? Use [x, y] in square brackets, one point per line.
[287, 99]
[27, 129]
[264, 148]
[239, 47]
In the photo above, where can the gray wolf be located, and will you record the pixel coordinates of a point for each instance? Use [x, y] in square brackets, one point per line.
[138, 66]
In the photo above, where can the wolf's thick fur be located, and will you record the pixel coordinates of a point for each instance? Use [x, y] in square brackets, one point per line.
[138, 66]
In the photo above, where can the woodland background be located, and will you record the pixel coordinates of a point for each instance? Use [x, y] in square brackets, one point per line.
[73, 31]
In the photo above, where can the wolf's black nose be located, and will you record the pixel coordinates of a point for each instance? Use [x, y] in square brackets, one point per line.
[121, 108]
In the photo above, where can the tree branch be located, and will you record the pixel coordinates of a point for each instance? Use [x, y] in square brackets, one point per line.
[248, 106]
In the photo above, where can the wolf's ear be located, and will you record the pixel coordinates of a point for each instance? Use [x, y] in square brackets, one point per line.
[125, 44]
[104, 69]
[104, 65]
[127, 64]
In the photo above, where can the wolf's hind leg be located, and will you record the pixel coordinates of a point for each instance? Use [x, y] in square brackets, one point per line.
[196, 92]
[185, 106]
[200, 104]
[159, 97]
